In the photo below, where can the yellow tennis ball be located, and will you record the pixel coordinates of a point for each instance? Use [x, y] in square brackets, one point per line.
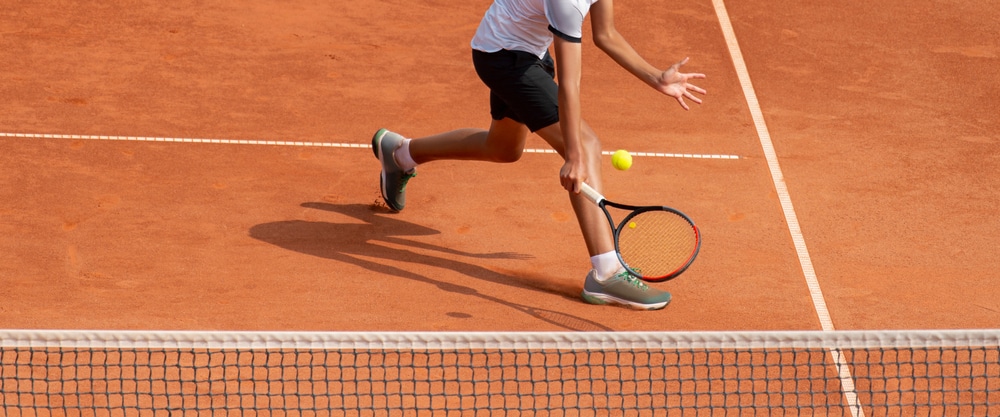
[621, 160]
[631, 225]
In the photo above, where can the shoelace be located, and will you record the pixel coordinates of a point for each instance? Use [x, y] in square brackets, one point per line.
[405, 179]
[633, 280]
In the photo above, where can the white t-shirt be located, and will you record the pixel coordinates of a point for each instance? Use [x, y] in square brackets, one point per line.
[528, 25]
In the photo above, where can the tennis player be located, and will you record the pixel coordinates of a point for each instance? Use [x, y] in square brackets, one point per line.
[510, 52]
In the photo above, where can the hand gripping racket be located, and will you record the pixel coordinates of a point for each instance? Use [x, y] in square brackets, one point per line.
[654, 243]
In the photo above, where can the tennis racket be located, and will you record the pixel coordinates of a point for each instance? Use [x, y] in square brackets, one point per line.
[654, 243]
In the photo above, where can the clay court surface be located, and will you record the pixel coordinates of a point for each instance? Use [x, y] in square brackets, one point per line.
[883, 116]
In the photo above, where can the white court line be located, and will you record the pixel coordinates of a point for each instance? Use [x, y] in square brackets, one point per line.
[772, 162]
[185, 140]
[805, 261]
[312, 144]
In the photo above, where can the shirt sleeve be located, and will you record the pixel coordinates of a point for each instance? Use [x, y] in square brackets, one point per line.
[565, 19]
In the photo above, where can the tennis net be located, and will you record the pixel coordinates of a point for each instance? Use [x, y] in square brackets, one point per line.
[841, 373]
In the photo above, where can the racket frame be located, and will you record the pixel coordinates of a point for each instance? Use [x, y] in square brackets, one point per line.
[595, 197]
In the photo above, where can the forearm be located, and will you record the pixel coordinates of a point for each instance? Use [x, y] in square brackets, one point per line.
[570, 121]
[569, 74]
[670, 82]
[619, 50]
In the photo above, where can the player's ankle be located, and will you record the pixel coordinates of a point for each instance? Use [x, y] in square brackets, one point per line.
[607, 265]
[403, 157]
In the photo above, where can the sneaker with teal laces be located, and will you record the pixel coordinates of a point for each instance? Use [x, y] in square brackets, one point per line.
[625, 289]
[393, 179]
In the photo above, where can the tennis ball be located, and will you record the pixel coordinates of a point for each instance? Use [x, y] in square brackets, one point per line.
[621, 160]
[631, 225]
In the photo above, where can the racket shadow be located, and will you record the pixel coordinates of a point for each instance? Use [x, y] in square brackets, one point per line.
[363, 243]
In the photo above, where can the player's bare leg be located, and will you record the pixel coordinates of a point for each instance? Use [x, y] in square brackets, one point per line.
[399, 156]
[504, 142]
[592, 222]
[608, 282]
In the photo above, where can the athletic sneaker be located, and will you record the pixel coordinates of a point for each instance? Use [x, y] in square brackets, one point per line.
[394, 179]
[623, 288]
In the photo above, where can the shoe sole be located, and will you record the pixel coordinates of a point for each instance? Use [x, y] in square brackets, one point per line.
[600, 299]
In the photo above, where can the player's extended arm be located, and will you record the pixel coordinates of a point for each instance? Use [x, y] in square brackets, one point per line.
[569, 64]
[670, 82]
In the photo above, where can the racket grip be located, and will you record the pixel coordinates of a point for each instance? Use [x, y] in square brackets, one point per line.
[591, 193]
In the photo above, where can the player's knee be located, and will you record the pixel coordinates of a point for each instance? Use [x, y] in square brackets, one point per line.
[513, 155]
[592, 142]
[590, 137]
[507, 154]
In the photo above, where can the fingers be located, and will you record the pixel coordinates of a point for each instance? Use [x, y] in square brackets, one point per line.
[692, 97]
[575, 186]
[678, 65]
[682, 103]
[687, 94]
[676, 84]
[572, 186]
[571, 183]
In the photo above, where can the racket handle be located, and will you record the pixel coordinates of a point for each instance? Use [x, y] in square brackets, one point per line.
[591, 193]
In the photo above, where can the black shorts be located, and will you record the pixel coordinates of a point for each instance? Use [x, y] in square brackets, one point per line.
[522, 86]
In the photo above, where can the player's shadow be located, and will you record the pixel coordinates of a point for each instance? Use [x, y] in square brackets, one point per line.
[359, 242]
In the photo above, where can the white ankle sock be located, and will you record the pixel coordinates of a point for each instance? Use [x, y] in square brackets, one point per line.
[402, 156]
[606, 264]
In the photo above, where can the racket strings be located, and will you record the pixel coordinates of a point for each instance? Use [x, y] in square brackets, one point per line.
[657, 242]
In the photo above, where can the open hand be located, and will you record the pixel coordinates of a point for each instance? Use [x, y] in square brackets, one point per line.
[675, 84]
